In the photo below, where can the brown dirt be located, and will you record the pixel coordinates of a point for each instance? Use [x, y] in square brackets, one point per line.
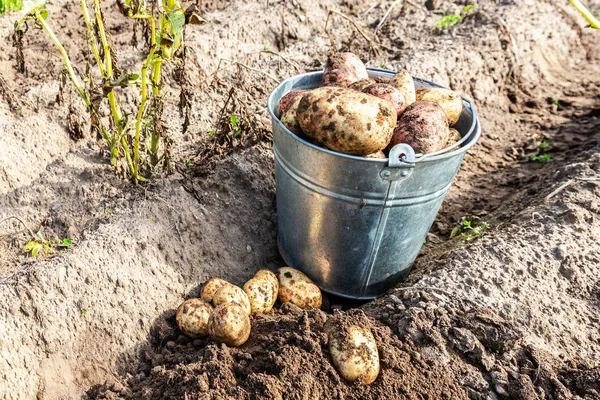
[513, 314]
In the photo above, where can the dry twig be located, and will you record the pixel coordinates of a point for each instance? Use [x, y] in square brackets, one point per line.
[356, 25]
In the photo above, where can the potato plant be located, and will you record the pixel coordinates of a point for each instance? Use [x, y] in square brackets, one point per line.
[130, 134]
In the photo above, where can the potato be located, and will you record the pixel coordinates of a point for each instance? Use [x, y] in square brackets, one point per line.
[388, 93]
[353, 351]
[449, 100]
[232, 294]
[210, 287]
[289, 118]
[192, 317]
[346, 121]
[423, 126]
[271, 277]
[379, 154]
[343, 69]
[261, 294]
[453, 137]
[360, 85]
[403, 81]
[230, 324]
[286, 100]
[297, 288]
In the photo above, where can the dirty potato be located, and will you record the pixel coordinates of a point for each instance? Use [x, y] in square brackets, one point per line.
[346, 121]
[271, 277]
[343, 69]
[286, 100]
[192, 317]
[449, 100]
[289, 118]
[297, 288]
[230, 324]
[360, 85]
[232, 294]
[403, 81]
[353, 350]
[388, 93]
[423, 126]
[453, 137]
[261, 294]
[379, 154]
[210, 287]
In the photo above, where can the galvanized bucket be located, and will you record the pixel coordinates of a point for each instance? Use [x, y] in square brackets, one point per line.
[355, 225]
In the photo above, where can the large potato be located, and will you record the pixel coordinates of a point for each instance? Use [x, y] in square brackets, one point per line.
[346, 121]
[388, 93]
[297, 288]
[232, 294]
[229, 324]
[192, 317]
[353, 351]
[423, 126]
[271, 277]
[286, 100]
[343, 69]
[360, 85]
[449, 100]
[289, 118]
[261, 294]
[210, 287]
[403, 81]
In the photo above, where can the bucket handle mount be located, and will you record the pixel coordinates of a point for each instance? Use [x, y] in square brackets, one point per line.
[401, 163]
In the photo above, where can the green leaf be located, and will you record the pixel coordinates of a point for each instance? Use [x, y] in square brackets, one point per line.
[211, 133]
[44, 13]
[234, 120]
[7, 6]
[66, 242]
[35, 250]
[29, 246]
[456, 231]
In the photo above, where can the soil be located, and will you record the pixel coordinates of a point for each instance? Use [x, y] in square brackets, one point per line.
[512, 313]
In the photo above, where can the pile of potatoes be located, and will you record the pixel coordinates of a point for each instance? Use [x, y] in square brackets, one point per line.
[354, 114]
[223, 312]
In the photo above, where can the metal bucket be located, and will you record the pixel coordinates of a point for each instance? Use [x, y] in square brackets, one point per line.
[355, 225]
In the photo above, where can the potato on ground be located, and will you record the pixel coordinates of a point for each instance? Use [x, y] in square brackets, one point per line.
[271, 277]
[360, 85]
[289, 118]
[192, 317]
[232, 294]
[388, 93]
[286, 100]
[343, 69]
[230, 324]
[261, 295]
[353, 350]
[449, 100]
[347, 121]
[210, 287]
[453, 137]
[423, 126]
[297, 288]
[403, 81]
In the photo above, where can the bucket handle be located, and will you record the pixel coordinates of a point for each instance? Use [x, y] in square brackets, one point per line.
[401, 162]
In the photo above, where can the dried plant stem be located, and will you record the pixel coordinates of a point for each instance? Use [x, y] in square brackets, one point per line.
[356, 25]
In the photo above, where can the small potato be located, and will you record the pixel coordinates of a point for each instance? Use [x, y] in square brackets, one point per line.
[271, 277]
[286, 100]
[360, 85]
[353, 351]
[289, 118]
[192, 317]
[449, 100]
[343, 69]
[454, 137]
[379, 154]
[423, 126]
[388, 93]
[210, 287]
[346, 121]
[232, 294]
[297, 288]
[403, 81]
[261, 294]
[230, 324]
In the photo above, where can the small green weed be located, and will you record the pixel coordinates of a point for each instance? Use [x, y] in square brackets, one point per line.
[543, 158]
[46, 246]
[469, 228]
[83, 312]
[555, 102]
[237, 131]
[543, 145]
[450, 21]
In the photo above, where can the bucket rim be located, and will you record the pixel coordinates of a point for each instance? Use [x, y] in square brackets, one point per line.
[474, 131]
